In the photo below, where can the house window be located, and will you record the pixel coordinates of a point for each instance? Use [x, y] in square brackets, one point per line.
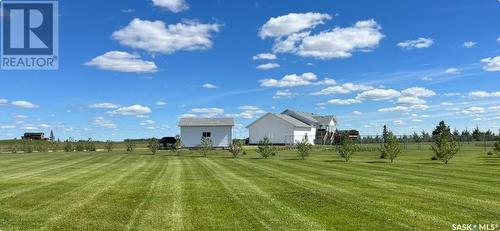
[206, 135]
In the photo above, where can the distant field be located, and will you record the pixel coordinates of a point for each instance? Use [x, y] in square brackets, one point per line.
[138, 191]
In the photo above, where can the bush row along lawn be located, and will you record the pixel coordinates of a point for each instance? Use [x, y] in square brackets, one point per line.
[138, 191]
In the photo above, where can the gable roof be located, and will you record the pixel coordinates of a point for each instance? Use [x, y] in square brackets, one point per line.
[325, 119]
[195, 122]
[293, 121]
[290, 120]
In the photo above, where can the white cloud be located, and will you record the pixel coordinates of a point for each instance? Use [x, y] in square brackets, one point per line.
[452, 71]
[327, 81]
[156, 37]
[292, 23]
[357, 113]
[265, 56]
[399, 122]
[3, 102]
[103, 106]
[248, 107]
[161, 103]
[20, 117]
[24, 104]
[470, 44]
[491, 64]
[207, 112]
[189, 115]
[378, 94]
[249, 112]
[484, 94]
[283, 94]
[410, 100]
[7, 127]
[46, 126]
[122, 62]
[395, 109]
[335, 43]
[418, 92]
[210, 86]
[292, 80]
[147, 122]
[268, 66]
[175, 6]
[474, 111]
[342, 42]
[427, 78]
[498, 39]
[134, 110]
[417, 43]
[102, 122]
[343, 89]
[343, 101]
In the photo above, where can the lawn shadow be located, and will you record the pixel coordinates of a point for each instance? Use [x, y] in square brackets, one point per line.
[334, 161]
[377, 162]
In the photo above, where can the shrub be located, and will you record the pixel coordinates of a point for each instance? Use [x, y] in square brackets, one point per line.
[205, 146]
[153, 146]
[80, 147]
[13, 148]
[130, 146]
[347, 148]
[90, 146]
[177, 145]
[303, 148]
[444, 146]
[42, 148]
[54, 146]
[108, 146]
[236, 148]
[27, 147]
[68, 146]
[391, 147]
[265, 149]
[490, 153]
[496, 147]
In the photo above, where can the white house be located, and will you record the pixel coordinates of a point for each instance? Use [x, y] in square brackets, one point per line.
[219, 130]
[290, 127]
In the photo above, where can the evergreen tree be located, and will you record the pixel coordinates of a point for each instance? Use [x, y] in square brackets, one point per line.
[52, 137]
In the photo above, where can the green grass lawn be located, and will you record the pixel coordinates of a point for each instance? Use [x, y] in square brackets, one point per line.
[119, 191]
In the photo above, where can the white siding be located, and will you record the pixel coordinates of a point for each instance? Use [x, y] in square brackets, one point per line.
[300, 133]
[221, 136]
[277, 130]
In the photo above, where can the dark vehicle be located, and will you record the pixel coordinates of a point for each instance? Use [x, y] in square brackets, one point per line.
[167, 142]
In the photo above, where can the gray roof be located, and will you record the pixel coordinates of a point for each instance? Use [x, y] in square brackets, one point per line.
[310, 118]
[325, 119]
[293, 121]
[195, 122]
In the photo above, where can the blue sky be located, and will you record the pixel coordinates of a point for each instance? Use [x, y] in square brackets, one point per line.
[130, 69]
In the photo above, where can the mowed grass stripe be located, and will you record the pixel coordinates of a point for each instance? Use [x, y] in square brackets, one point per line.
[11, 162]
[34, 207]
[382, 190]
[344, 197]
[139, 210]
[164, 210]
[131, 192]
[390, 172]
[56, 166]
[28, 184]
[37, 162]
[207, 205]
[62, 219]
[291, 219]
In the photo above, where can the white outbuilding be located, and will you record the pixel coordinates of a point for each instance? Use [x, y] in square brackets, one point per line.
[218, 130]
[291, 127]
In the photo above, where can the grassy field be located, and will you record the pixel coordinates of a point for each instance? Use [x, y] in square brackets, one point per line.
[138, 191]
